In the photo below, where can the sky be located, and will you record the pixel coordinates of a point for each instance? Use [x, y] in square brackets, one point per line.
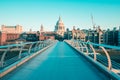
[32, 13]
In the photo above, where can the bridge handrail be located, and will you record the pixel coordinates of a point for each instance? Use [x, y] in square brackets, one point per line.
[36, 46]
[18, 44]
[111, 71]
[103, 45]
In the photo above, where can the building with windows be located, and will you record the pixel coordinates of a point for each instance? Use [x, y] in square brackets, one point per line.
[6, 38]
[9, 34]
[112, 37]
[68, 34]
[95, 36]
[11, 29]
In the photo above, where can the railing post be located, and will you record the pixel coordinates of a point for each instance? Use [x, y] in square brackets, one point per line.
[77, 43]
[81, 47]
[36, 45]
[108, 57]
[30, 48]
[93, 52]
[86, 48]
[84, 45]
[73, 43]
[39, 45]
[42, 45]
[3, 57]
[22, 46]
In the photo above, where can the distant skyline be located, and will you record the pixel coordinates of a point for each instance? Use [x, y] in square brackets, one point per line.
[32, 13]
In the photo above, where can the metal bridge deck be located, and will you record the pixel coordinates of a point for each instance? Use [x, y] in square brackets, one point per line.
[60, 62]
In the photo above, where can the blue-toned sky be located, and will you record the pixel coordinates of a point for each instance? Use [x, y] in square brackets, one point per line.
[32, 13]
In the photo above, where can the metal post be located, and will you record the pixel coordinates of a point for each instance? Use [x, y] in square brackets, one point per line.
[108, 57]
[93, 52]
[3, 57]
[39, 45]
[30, 48]
[86, 48]
[81, 47]
[22, 46]
[36, 46]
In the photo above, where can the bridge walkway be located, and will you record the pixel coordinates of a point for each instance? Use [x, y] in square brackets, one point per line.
[59, 62]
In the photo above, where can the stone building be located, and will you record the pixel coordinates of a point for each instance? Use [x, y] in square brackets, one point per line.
[6, 38]
[44, 35]
[9, 34]
[59, 27]
[78, 34]
[11, 29]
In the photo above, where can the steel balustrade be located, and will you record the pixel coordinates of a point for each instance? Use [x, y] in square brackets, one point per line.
[3, 57]
[22, 48]
[84, 45]
[90, 46]
[81, 46]
[93, 51]
[108, 57]
[30, 48]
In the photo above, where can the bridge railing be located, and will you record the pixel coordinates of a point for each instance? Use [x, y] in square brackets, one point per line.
[12, 53]
[98, 53]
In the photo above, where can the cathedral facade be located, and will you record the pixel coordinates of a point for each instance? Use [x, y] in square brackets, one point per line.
[59, 27]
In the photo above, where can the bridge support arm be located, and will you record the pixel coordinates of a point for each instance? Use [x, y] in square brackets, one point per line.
[86, 48]
[93, 52]
[19, 56]
[29, 50]
[108, 57]
[3, 57]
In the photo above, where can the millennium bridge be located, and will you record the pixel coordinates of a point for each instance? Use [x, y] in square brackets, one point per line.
[55, 60]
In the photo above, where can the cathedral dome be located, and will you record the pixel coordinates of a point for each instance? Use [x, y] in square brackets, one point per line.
[59, 27]
[60, 22]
